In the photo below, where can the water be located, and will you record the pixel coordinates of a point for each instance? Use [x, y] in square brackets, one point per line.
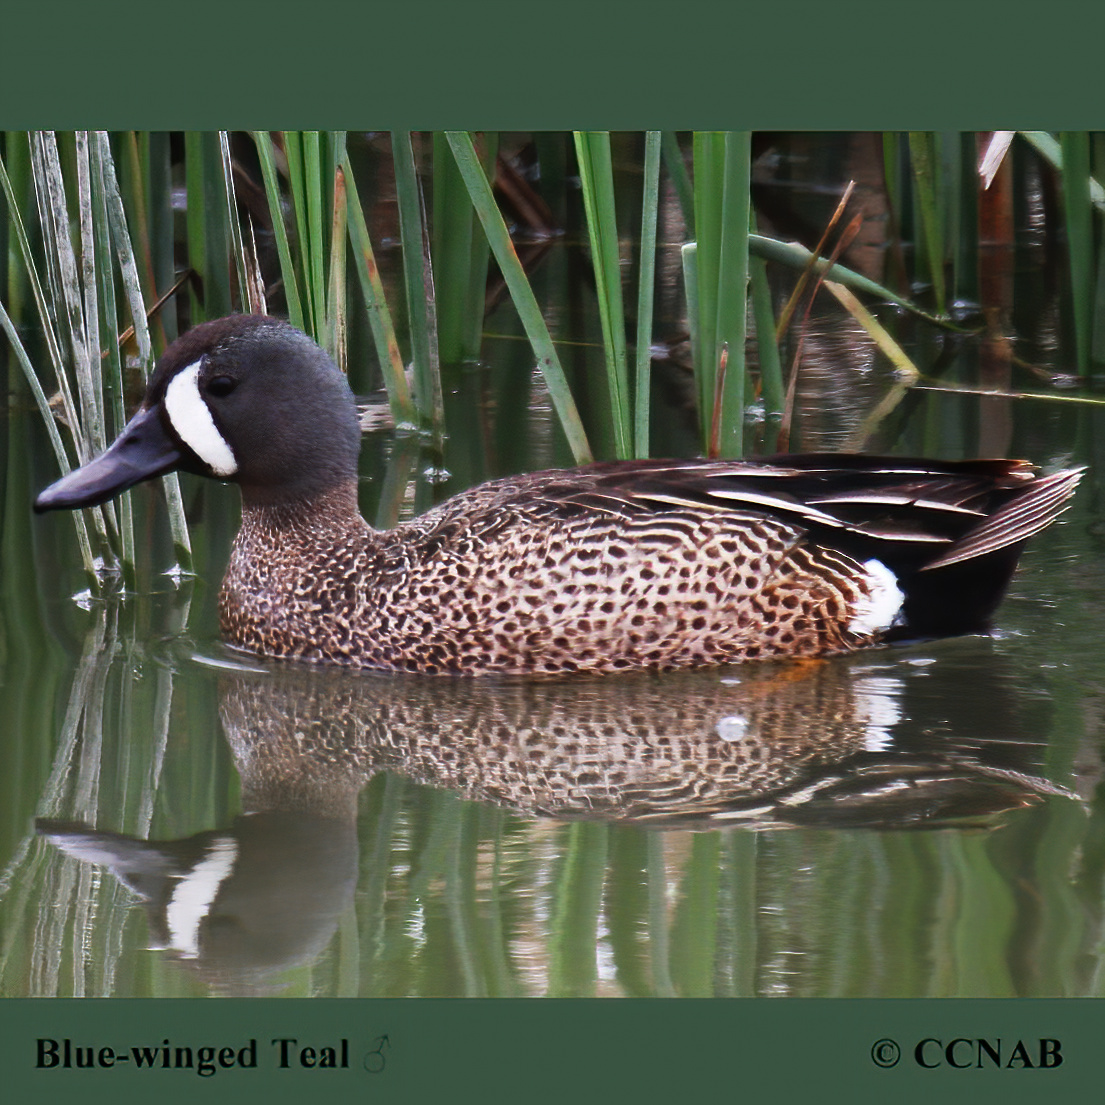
[906, 822]
[923, 821]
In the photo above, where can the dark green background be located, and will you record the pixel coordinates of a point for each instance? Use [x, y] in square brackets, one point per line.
[554, 1051]
[610, 64]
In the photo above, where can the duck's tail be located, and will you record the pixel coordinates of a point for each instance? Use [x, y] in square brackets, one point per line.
[958, 590]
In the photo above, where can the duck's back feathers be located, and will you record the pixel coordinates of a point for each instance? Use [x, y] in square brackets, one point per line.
[938, 541]
[647, 564]
[933, 513]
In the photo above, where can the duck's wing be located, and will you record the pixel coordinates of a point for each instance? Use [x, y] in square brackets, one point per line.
[944, 512]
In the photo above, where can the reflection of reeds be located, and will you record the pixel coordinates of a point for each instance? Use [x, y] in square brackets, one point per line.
[481, 901]
[70, 921]
[463, 898]
[98, 752]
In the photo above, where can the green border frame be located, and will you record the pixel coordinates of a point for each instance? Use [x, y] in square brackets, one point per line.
[612, 64]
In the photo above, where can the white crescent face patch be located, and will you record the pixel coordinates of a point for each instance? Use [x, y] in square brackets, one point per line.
[192, 897]
[192, 421]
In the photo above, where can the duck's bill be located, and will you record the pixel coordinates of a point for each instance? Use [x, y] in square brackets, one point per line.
[142, 451]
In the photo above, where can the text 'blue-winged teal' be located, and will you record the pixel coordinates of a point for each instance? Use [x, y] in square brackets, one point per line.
[628, 565]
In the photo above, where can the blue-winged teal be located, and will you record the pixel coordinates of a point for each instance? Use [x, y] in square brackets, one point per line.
[641, 564]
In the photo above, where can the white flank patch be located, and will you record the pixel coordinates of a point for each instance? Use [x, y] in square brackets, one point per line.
[194, 894]
[192, 420]
[876, 610]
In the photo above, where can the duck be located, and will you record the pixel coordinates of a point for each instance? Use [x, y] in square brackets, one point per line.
[612, 566]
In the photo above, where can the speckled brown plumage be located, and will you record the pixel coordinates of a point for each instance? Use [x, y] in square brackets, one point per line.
[636, 565]
[522, 587]
[594, 570]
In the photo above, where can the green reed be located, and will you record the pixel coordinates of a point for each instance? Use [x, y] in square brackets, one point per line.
[379, 316]
[96, 263]
[267, 154]
[596, 172]
[773, 389]
[460, 253]
[930, 212]
[646, 294]
[479, 190]
[87, 253]
[722, 176]
[709, 177]
[419, 281]
[1079, 218]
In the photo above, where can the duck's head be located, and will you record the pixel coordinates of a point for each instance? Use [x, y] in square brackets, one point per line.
[246, 398]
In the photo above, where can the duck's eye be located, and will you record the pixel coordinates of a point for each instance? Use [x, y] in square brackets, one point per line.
[219, 386]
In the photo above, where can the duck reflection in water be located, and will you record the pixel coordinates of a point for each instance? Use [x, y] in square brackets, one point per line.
[824, 744]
